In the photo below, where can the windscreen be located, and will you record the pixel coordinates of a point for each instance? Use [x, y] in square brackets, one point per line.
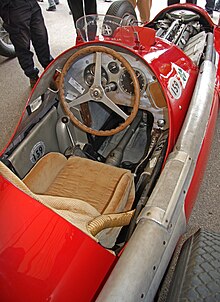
[106, 28]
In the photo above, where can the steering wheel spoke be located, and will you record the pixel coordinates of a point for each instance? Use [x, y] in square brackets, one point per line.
[98, 70]
[80, 100]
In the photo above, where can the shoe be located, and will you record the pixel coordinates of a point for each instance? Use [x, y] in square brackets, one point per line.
[217, 9]
[33, 81]
[40, 0]
[51, 8]
[57, 2]
[108, 0]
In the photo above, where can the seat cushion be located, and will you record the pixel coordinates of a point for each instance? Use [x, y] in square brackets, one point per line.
[108, 189]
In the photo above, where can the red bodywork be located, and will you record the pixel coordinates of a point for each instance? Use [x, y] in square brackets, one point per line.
[39, 250]
[43, 256]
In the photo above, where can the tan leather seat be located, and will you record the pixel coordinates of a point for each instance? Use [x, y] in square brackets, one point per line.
[108, 189]
[78, 189]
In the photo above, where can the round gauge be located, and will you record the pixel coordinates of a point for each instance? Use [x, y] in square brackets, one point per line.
[113, 67]
[89, 73]
[126, 82]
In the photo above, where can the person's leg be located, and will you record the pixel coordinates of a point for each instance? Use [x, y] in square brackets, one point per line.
[39, 37]
[19, 33]
[170, 2]
[76, 9]
[144, 7]
[90, 7]
[209, 7]
[191, 1]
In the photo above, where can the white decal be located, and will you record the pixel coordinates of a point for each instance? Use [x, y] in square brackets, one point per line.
[175, 87]
[76, 85]
[182, 74]
[70, 96]
[35, 104]
[37, 152]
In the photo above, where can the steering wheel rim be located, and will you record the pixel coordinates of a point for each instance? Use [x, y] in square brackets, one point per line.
[136, 97]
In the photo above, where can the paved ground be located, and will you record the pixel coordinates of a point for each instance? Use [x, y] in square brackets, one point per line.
[14, 89]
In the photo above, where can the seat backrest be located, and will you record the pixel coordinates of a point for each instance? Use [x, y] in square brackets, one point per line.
[43, 174]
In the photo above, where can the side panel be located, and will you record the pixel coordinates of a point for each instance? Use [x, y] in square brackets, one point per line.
[42, 256]
[202, 160]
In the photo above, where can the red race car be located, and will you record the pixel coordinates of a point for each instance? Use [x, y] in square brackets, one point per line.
[101, 174]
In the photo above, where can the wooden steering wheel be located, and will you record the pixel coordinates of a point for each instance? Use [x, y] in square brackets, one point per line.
[97, 93]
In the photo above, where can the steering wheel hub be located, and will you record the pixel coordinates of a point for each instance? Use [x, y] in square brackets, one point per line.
[96, 93]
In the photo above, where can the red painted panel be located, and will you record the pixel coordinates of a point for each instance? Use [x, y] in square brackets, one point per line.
[168, 64]
[42, 256]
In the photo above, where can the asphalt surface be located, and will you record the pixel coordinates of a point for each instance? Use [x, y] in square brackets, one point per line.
[14, 91]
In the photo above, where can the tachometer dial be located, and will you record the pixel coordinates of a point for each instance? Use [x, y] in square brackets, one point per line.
[126, 82]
